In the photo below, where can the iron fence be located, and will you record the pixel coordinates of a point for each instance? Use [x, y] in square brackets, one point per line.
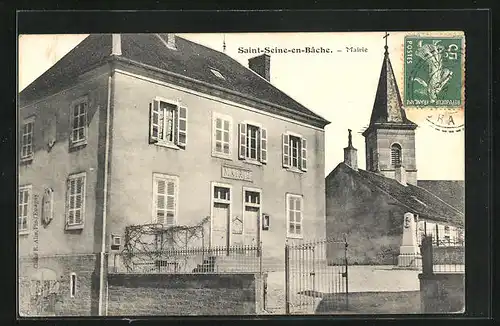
[442, 257]
[201, 260]
[316, 272]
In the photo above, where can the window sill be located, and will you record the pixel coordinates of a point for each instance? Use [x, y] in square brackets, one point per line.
[222, 156]
[166, 144]
[23, 232]
[26, 160]
[78, 144]
[74, 227]
[295, 236]
[295, 170]
[251, 161]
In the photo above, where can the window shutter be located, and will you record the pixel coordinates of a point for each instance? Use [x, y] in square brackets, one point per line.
[263, 145]
[242, 131]
[303, 166]
[182, 126]
[286, 150]
[170, 203]
[160, 201]
[68, 205]
[154, 121]
[83, 194]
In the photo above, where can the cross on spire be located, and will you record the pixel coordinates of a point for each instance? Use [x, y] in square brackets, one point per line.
[224, 43]
[386, 36]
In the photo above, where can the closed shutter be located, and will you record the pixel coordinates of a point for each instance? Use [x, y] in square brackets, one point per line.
[182, 126]
[165, 201]
[263, 145]
[303, 165]
[160, 201]
[286, 150]
[242, 148]
[155, 126]
[170, 207]
[79, 200]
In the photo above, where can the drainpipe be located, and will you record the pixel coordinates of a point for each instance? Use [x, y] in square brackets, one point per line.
[105, 199]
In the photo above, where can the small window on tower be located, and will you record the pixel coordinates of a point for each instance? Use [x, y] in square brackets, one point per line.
[396, 155]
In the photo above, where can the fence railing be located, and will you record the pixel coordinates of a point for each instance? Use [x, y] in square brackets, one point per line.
[205, 260]
[439, 257]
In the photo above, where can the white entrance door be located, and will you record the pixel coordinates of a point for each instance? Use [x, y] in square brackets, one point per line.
[221, 214]
[251, 225]
[220, 226]
[251, 216]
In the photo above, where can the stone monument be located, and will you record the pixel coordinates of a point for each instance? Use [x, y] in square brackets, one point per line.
[409, 252]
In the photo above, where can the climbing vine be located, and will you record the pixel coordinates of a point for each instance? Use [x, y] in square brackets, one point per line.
[149, 243]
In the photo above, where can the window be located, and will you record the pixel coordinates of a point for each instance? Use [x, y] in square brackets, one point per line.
[222, 127]
[396, 155]
[23, 208]
[252, 143]
[165, 192]
[27, 139]
[72, 285]
[294, 152]
[294, 209]
[79, 122]
[168, 124]
[222, 194]
[75, 201]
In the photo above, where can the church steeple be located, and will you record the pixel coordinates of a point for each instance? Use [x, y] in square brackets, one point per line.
[388, 107]
[390, 136]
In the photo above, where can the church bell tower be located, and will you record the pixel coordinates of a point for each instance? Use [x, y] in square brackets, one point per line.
[390, 136]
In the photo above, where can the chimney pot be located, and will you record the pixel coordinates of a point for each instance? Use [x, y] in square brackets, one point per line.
[116, 47]
[261, 65]
[171, 40]
[351, 153]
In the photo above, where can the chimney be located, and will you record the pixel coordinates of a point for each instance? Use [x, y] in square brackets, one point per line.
[400, 175]
[261, 65]
[116, 48]
[351, 154]
[171, 41]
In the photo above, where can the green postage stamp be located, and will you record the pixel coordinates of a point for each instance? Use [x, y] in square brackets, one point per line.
[434, 71]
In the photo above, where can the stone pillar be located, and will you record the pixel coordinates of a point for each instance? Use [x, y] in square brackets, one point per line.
[409, 252]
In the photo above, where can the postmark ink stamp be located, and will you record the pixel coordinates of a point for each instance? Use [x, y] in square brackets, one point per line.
[433, 71]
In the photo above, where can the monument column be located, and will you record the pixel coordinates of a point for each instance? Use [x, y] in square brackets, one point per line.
[409, 251]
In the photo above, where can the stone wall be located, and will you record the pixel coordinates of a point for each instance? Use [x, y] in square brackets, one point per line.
[184, 294]
[442, 293]
[85, 299]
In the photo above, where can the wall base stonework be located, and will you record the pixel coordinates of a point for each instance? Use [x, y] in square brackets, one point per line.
[33, 302]
[184, 294]
[442, 293]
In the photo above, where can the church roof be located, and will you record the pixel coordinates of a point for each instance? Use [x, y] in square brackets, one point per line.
[189, 60]
[388, 110]
[450, 191]
[416, 199]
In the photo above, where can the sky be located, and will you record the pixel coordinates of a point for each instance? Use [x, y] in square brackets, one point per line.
[339, 86]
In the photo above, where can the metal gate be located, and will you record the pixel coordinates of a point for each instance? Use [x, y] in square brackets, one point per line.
[316, 277]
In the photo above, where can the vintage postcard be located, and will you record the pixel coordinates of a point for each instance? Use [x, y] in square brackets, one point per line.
[241, 174]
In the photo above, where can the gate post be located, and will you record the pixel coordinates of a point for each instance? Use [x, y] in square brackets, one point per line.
[346, 273]
[287, 280]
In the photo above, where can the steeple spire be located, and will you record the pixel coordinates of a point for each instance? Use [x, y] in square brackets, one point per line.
[388, 106]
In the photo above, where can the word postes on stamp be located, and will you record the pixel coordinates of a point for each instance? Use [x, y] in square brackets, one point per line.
[433, 71]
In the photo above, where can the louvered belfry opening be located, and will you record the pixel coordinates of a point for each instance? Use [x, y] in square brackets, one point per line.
[396, 155]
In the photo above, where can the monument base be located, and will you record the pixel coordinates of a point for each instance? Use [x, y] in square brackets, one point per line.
[410, 260]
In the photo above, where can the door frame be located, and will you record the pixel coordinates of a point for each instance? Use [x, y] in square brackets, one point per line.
[214, 184]
[243, 204]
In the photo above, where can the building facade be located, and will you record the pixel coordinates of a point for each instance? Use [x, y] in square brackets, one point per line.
[152, 129]
[370, 206]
